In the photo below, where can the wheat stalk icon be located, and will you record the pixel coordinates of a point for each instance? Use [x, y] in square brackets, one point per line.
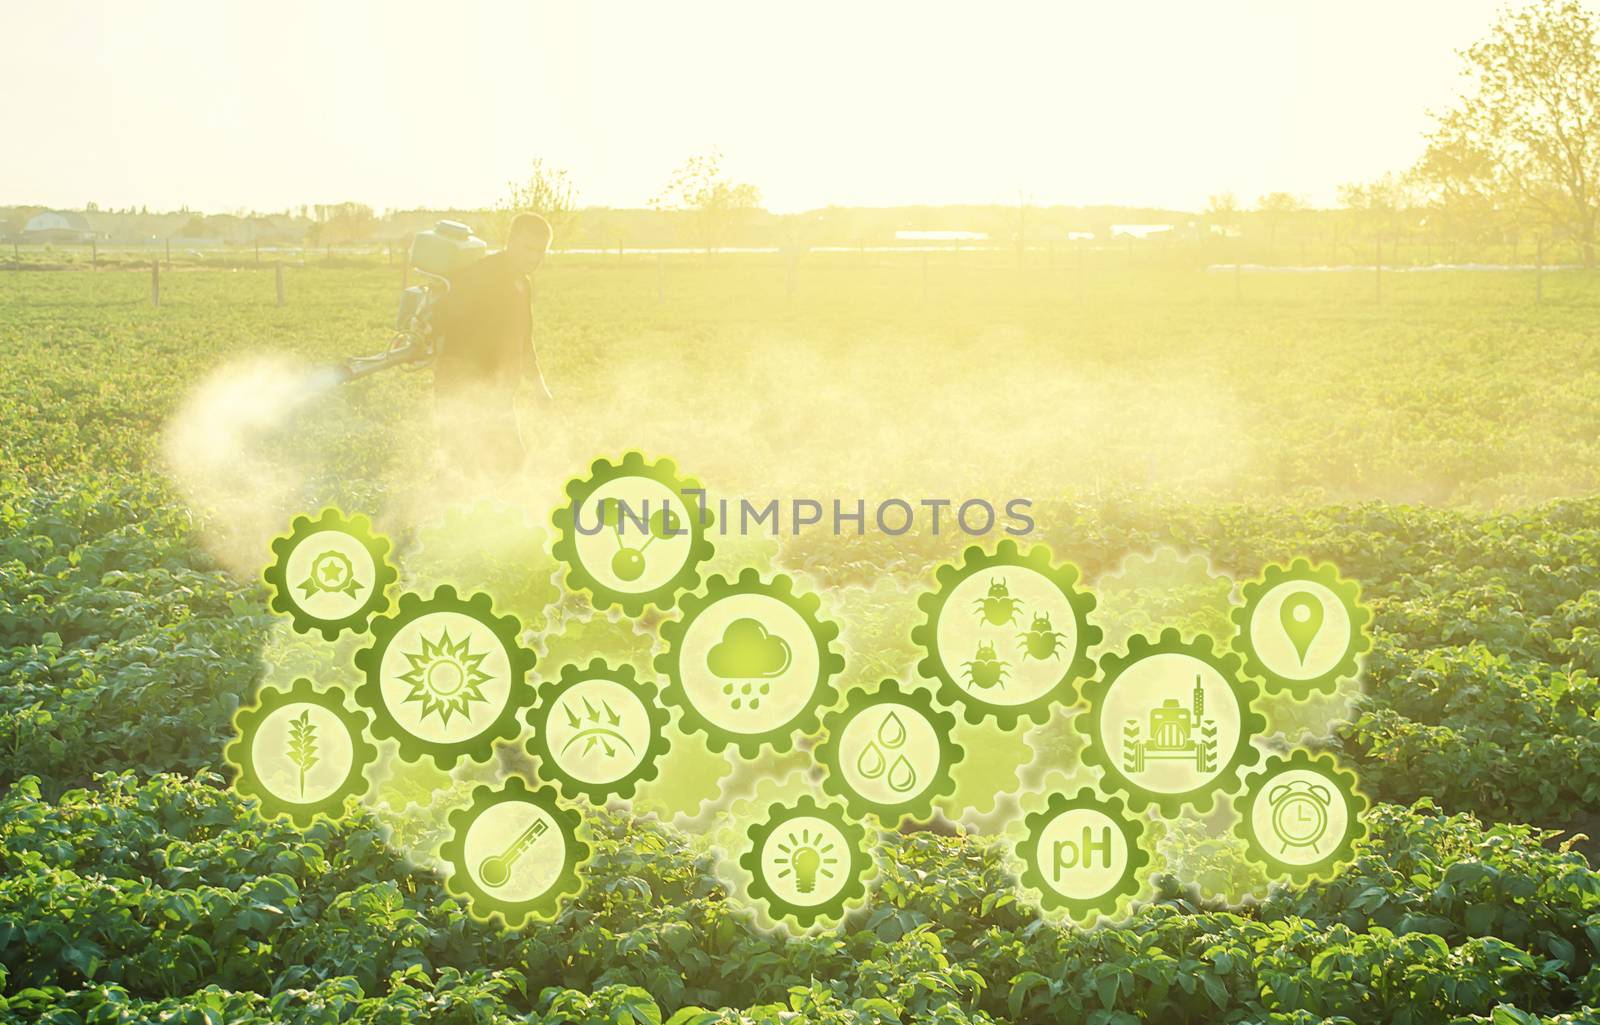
[303, 746]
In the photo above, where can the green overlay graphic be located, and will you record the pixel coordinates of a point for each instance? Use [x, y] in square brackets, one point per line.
[300, 751]
[1001, 644]
[1301, 627]
[749, 663]
[330, 574]
[1170, 722]
[1300, 816]
[514, 853]
[889, 753]
[598, 731]
[445, 677]
[1082, 853]
[807, 861]
[632, 534]
[1007, 634]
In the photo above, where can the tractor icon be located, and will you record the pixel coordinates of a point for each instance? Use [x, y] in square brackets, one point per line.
[1176, 734]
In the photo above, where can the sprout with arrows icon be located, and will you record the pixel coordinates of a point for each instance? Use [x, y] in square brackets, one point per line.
[597, 731]
[596, 727]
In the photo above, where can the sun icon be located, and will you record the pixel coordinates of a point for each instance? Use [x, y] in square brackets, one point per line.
[807, 857]
[444, 676]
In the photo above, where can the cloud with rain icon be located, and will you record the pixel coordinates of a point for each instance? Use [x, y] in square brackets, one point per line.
[747, 656]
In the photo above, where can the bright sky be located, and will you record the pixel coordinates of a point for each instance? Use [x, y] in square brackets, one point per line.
[269, 105]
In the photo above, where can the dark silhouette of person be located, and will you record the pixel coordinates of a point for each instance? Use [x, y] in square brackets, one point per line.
[486, 322]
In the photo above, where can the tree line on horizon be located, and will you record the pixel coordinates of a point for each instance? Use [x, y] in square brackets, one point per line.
[1515, 159]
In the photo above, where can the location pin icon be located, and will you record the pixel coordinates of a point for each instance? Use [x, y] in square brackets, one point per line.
[1301, 616]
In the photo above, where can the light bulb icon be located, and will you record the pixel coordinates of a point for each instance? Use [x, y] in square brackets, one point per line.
[806, 863]
[806, 856]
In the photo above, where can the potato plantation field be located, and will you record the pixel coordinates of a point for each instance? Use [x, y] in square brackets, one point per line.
[1175, 429]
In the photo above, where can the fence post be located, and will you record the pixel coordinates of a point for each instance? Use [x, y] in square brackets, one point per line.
[155, 283]
[1377, 272]
[279, 267]
[16, 251]
[661, 279]
[94, 254]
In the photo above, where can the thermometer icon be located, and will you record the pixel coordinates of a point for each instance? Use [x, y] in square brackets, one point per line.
[495, 870]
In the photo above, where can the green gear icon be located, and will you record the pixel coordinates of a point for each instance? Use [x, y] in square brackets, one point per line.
[853, 871]
[919, 805]
[580, 578]
[464, 882]
[1126, 884]
[519, 694]
[1348, 594]
[1343, 781]
[604, 727]
[284, 598]
[1077, 666]
[1226, 779]
[821, 696]
[240, 753]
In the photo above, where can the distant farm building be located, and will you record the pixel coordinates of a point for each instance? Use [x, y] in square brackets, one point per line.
[1140, 231]
[57, 226]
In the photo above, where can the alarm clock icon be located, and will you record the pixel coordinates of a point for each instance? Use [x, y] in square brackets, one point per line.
[1299, 812]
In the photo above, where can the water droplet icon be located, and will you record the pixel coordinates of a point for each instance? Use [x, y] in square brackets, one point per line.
[891, 731]
[902, 775]
[871, 763]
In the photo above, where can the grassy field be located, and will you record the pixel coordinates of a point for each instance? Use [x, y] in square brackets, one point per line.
[1045, 382]
[1175, 430]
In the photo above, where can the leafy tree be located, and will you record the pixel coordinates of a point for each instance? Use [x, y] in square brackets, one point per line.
[1276, 210]
[1463, 205]
[1524, 136]
[547, 191]
[1222, 212]
[337, 223]
[1382, 209]
[717, 203]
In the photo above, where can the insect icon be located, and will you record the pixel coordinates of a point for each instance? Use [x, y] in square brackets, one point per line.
[998, 607]
[986, 669]
[1041, 640]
